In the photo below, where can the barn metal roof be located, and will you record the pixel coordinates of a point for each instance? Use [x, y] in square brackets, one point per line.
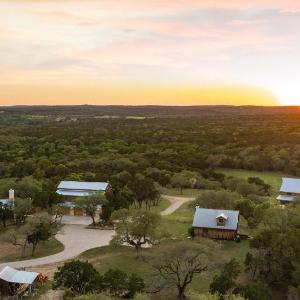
[206, 218]
[290, 185]
[289, 198]
[75, 193]
[81, 185]
[12, 275]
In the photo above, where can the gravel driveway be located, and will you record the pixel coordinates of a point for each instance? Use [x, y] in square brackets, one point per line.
[176, 202]
[76, 239]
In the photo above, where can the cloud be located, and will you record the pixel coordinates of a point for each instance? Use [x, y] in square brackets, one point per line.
[155, 40]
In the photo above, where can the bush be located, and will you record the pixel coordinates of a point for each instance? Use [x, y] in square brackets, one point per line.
[121, 285]
[217, 199]
[81, 278]
[76, 276]
[254, 291]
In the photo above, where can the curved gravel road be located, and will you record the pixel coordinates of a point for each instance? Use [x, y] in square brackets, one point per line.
[77, 239]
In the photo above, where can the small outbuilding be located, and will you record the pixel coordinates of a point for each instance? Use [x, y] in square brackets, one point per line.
[17, 283]
[290, 188]
[216, 223]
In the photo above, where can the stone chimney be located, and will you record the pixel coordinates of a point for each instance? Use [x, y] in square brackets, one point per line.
[11, 195]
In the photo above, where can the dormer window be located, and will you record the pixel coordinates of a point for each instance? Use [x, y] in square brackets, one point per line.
[221, 219]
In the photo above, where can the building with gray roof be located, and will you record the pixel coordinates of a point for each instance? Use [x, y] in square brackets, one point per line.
[75, 189]
[80, 188]
[216, 223]
[290, 188]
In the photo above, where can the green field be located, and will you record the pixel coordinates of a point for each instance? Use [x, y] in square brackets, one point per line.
[163, 203]
[185, 192]
[124, 258]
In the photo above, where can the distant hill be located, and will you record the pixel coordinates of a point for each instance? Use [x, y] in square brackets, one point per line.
[147, 111]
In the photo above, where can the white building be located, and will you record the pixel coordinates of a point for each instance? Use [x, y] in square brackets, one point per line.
[289, 189]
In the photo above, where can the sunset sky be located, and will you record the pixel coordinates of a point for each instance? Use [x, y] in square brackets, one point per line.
[150, 52]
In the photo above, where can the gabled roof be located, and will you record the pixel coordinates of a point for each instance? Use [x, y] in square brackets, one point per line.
[222, 215]
[9, 274]
[289, 198]
[81, 185]
[290, 185]
[206, 218]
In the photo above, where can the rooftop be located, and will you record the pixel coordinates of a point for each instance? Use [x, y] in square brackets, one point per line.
[290, 185]
[206, 218]
[82, 186]
[12, 275]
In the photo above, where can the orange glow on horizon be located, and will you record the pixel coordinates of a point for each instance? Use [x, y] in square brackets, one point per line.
[134, 95]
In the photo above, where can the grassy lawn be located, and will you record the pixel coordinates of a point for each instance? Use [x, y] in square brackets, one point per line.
[9, 252]
[178, 223]
[162, 205]
[124, 258]
[185, 192]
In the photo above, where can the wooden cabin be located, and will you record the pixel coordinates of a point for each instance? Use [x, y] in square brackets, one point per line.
[289, 190]
[215, 223]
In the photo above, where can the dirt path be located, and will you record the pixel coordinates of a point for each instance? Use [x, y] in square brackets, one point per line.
[76, 239]
[176, 202]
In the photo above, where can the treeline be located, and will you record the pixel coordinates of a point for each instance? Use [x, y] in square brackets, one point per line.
[90, 148]
[149, 111]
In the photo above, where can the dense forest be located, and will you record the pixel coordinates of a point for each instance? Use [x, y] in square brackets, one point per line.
[48, 144]
[62, 144]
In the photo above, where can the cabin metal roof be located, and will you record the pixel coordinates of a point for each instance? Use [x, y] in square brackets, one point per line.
[206, 218]
[290, 185]
[9, 274]
[289, 198]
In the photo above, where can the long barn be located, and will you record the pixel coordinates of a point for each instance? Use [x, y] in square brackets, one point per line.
[72, 190]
